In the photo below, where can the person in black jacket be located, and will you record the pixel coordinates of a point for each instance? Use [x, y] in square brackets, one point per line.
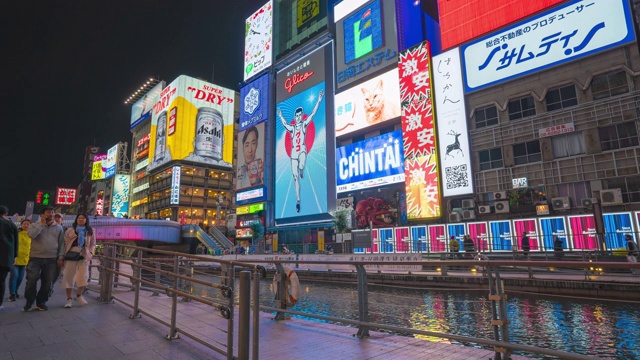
[469, 247]
[557, 247]
[8, 249]
[524, 243]
[632, 253]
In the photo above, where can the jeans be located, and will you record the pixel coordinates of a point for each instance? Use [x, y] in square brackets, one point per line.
[3, 277]
[42, 269]
[17, 274]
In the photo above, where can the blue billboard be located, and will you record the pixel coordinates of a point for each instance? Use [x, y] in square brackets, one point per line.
[370, 163]
[551, 227]
[500, 235]
[571, 31]
[254, 102]
[616, 227]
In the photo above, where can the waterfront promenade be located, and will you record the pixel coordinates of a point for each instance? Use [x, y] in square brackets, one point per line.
[104, 331]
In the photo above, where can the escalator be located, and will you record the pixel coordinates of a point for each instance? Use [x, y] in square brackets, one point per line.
[215, 241]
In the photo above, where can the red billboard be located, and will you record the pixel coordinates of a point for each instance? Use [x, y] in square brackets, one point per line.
[463, 20]
[65, 196]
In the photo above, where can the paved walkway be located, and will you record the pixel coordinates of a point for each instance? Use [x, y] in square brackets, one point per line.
[104, 331]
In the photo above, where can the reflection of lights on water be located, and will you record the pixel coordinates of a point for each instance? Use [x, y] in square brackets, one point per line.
[306, 289]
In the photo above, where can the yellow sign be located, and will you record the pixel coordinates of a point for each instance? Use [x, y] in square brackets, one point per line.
[307, 10]
[192, 120]
[96, 171]
[542, 209]
[321, 240]
[242, 210]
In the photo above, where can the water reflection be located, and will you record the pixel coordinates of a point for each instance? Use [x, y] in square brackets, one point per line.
[599, 328]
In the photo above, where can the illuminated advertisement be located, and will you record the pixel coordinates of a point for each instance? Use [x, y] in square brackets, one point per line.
[254, 102]
[302, 144]
[258, 40]
[528, 227]
[462, 20]
[120, 198]
[370, 163]
[370, 103]
[568, 32]
[616, 227]
[638, 220]
[100, 203]
[421, 157]
[90, 153]
[193, 121]
[500, 235]
[551, 227]
[141, 109]
[142, 149]
[295, 22]
[110, 163]
[479, 233]
[253, 195]
[44, 197]
[583, 232]
[438, 237]
[453, 135]
[457, 230]
[250, 171]
[419, 238]
[65, 196]
[366, 39]
[175, 185]
[98, 171]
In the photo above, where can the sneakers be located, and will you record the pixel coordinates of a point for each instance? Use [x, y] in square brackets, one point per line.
[42, 307]
[81, 300]
[12, 297]
[1, 307]
[27, 307]
[68, 304]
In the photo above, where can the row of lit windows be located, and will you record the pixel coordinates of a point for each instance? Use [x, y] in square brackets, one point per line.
[602, 86]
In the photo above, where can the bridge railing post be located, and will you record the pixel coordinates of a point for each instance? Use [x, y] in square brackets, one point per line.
[107, 276]
[499, 320]
[363, 301]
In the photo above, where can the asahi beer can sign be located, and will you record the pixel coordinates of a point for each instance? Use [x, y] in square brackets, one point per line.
[209, 137]
[199, 116]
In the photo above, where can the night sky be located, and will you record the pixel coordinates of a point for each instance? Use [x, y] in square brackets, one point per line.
[72, 64]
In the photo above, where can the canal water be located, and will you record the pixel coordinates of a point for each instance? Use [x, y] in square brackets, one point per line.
[605, 329]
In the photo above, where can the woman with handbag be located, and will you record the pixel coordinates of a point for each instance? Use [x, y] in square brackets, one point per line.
[79, 247]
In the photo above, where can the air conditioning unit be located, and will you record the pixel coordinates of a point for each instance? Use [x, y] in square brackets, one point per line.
[561, 203]
[500, 195]
[589, 202]
[468, 204]
[501, 207]
[485, 209]
[611, 197]
[469, 214]
[455, 217]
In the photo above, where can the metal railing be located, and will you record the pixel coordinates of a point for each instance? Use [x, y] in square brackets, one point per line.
[174, 273]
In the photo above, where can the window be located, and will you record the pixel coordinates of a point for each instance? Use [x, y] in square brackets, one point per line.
[491, 159]
[527, 152]
[629, 185]
[576, 191]
[486, 116]
[521, 108]
[568, 145]
[618, 136]
[562, 97]
[609, 84]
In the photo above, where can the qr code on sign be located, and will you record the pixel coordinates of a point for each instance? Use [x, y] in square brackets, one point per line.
[456, 176]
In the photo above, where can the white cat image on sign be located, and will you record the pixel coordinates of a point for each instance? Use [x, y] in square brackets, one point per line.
[370, 103]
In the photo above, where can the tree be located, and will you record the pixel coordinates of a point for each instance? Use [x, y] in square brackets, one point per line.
[340, 221]
[257, 232]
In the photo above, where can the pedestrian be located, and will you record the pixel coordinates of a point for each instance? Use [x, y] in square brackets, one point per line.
[20, 264]
[78, 238]
[454, 247]
[47, 253]
[57, 218]
[469, 246]
[632, 253]
[525, 245]
[9, 248]
[558, 247]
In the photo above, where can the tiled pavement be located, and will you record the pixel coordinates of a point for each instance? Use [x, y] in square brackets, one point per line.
[104, 331]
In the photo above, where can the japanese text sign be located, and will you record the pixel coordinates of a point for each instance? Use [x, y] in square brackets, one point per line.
[568, 32]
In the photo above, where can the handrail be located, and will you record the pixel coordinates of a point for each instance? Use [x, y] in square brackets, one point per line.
[169, 266]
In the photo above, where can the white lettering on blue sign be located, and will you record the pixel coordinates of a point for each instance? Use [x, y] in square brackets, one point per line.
[568, 32]
[367, 162]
